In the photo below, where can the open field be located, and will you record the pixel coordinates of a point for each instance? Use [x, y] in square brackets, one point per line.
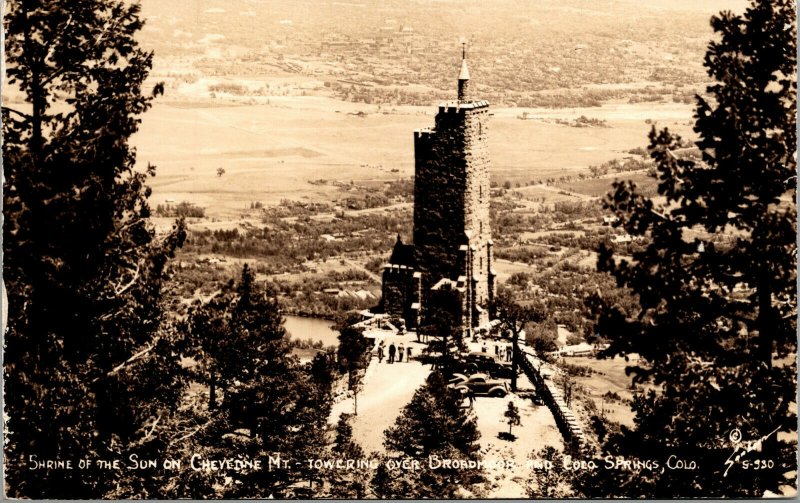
[599, 187]
[608, 378]
[271, 152]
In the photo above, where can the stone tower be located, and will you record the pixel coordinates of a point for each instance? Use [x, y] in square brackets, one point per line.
[452, 234]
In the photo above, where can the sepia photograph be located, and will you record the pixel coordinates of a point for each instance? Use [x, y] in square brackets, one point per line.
[399, 249]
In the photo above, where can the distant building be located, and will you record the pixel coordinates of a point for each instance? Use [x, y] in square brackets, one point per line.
[452, 236]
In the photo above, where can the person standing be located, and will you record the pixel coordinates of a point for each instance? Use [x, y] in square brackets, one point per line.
[400, 352]
[408, 354]
[392, 351]
[509, 352]
[380, 353]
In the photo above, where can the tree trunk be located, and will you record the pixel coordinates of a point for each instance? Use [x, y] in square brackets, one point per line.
[37, 94]
[212, 394]
[514, 358]
[764, 322]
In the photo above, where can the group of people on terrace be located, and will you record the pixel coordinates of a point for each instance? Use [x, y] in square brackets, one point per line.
[395, 353]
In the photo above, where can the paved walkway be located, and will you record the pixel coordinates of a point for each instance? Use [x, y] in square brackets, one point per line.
[387, 389]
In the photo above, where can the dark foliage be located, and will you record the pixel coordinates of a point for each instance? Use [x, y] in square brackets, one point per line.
[514, 316]
[512, 417]
[710, 321]
[272, 405]
[442, 321]
[431, 426]
[90, 371]
[347, 483]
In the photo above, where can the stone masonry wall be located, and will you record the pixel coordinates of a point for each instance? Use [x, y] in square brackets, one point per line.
[397, 290]
[451, 206]
[476, 200]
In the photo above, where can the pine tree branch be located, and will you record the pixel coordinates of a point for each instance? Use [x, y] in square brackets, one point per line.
[21, 114]
[129, 360]
[188, 435]
[119, 290]
[130, 223]
[155, 423]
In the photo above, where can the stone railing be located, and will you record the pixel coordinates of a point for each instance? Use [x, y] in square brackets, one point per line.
[567, 423]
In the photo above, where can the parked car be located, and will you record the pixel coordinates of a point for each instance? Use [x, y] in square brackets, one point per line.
[488, 363]
[482, 384]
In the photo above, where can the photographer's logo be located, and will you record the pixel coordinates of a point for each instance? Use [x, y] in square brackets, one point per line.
[742, 448]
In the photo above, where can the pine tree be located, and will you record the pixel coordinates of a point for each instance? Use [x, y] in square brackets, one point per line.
[239, 328]
[716, 286]
[514, 316]
[442, 320]
[90, 371]
[346, 483]
[353, 352]
[432, 427]
[272, 404]
[512, 416]
[550, 479]
[207, 330]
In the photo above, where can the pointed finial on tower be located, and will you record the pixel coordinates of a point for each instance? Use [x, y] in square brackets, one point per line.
[463, 77]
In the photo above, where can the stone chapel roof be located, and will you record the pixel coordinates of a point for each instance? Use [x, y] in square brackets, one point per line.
[402, 254]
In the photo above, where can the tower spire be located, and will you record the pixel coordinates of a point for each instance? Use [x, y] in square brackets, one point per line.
[463, 77]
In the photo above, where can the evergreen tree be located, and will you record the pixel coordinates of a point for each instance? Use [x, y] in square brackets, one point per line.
[273, 405]
[353, 354]
[207, 331]
[384, 483]
[353, 347]
[716, 286]
[514, 316]
[442, 320]
[550, 479]
[344, 483]
[239, 328]
[542, 337]
[90, 373]
[431, 427]
[512, 416]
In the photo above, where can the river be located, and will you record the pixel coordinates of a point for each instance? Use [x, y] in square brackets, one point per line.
[301, 327]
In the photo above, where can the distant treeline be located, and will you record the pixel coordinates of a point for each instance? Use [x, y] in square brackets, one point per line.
[182, 209]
